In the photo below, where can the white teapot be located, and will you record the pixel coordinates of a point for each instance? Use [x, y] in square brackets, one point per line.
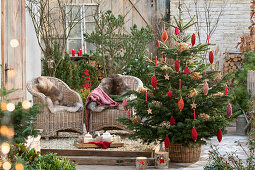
[107, 137]
[88, 138]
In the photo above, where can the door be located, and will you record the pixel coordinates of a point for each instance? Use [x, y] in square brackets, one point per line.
[13, 48]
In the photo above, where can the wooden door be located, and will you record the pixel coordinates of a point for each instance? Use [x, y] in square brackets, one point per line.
[13, 56]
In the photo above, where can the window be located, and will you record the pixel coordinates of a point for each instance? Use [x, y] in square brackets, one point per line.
[82, 15]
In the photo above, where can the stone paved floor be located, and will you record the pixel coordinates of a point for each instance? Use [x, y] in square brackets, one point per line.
[228, 144]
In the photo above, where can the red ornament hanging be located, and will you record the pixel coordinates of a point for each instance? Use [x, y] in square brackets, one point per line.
[167, 142]
[176, 31]
[205, 88]
[170, 94]
[186, 70]
[211, 57]
[177, 65]
[229, 110]
[193, 39]
[194, 134]
[154, 81]
[181, 104]
[124, 104]
[219, 135]
[172, 121]
[164, 36]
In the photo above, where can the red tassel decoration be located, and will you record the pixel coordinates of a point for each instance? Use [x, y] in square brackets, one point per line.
[219, 135]
[193, 39]
[208, 38]
[164, 36]
[154, 81]
[124, 104]
[194, 134]
[172, 121]
[128, 114]
[167, 142]
[156, 61]
[194, 114]
[177, 65]
[180, 84]
[205, 88]
[181, 104]
[158, 44]
[229, 110]
[176, 31]
[211, 57]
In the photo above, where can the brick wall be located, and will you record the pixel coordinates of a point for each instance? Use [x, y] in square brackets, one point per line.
[233, 23]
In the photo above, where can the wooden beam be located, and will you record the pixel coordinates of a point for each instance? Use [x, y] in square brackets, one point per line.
[3, 40]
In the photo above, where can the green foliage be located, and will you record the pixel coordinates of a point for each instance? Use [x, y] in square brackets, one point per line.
[22, 120]
[163, 107]
[119, 52]
[32, 160]
[242, 98]
[50, 161]
[231, 161]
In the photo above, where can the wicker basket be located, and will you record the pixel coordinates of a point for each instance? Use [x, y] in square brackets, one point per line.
[179, 153]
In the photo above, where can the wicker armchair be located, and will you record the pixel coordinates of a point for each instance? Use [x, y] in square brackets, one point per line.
[52, 123]
[107, 118]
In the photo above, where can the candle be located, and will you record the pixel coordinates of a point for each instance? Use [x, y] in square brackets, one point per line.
[146, 96]
[141, 163]
[80, 52]
[133, 86]
[151, 58]
[73, 52]
[156, 61]
[180, 84]
[161, 160]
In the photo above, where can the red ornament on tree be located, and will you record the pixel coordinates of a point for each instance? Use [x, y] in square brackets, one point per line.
[124, 104]
[154, 81]
[194, 134]
[205, 88]
[167, 142]
[170, 94]
[186, 70]
[211, 57]
[193, 39]
[229, 110]
[219, 135]
[164, 36]
[177, 65]
[176, 31]
[172, 121]
[181, 104]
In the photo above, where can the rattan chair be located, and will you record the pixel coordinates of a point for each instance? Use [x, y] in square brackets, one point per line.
[52, 123]
[107, 118]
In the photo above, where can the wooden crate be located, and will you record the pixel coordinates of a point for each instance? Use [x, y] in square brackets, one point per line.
[92, 145]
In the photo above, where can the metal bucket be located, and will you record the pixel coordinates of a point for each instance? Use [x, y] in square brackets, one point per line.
[241, 125]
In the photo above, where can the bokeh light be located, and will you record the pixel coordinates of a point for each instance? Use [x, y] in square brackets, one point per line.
[4, 130]
[5, 148]
[26, 104]
[1, 164]
[10, 133]
[4, 106]
[7, 165]
[10, 107]
[14, 43]
[19, 166]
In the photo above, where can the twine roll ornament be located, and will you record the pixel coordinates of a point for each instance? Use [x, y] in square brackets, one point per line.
[154, 81]
[164, 36]
[194, 134]
[193, 39]
[205, 88]
[229, 110]
[219, 135]
[181, 104]
[211, 57]
[177, 65]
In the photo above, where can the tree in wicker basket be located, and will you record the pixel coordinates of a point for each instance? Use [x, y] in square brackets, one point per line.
[185, 104]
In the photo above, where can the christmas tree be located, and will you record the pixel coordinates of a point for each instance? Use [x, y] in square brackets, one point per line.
[187, 101]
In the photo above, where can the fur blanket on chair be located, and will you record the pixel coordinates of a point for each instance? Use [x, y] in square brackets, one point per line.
[55, 98]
